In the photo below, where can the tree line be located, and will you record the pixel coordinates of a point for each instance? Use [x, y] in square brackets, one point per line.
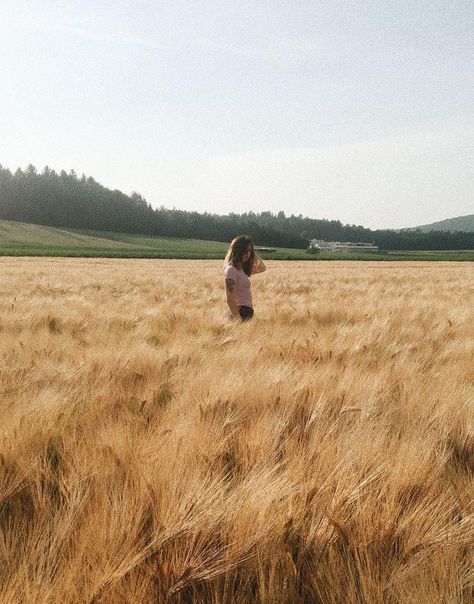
[67, 200]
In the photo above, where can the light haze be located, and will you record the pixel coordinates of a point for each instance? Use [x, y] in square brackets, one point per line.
[358, 111]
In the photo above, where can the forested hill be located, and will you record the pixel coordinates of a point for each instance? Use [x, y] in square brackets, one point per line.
[67, 200]
[459, 223]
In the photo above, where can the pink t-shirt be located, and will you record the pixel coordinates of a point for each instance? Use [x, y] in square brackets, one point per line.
[244, 295]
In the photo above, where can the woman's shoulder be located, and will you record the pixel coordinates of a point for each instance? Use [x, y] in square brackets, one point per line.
[230, 271]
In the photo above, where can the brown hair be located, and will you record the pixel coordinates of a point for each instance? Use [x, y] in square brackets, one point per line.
[237, 249]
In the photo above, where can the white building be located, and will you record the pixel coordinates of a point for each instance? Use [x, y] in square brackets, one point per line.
[341, 246]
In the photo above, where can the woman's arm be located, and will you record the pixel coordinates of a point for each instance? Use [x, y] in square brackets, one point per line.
[230, 289]
[259, 265]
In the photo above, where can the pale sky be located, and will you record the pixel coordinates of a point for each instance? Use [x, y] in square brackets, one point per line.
[359, 111]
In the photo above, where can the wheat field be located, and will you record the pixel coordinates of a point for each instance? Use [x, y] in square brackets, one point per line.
[152, 450]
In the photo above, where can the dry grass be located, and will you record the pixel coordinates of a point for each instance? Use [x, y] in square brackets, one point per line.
[152, 451]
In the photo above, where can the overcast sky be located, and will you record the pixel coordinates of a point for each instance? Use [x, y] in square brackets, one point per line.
[360, 111]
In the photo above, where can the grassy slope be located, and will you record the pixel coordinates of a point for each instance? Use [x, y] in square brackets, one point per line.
[22, 239]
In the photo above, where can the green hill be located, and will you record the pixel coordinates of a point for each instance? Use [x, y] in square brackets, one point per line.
[19, 238]
[460, 223]
[24, 239]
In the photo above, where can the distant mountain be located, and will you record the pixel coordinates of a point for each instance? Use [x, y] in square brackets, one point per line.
[460, 223]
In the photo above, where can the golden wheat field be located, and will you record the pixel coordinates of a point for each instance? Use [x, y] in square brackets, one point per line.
[152, 450]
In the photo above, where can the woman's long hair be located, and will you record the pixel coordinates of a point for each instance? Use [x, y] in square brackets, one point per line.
[237, 249]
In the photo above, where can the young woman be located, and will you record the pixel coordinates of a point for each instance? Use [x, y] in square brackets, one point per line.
[240, 262]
